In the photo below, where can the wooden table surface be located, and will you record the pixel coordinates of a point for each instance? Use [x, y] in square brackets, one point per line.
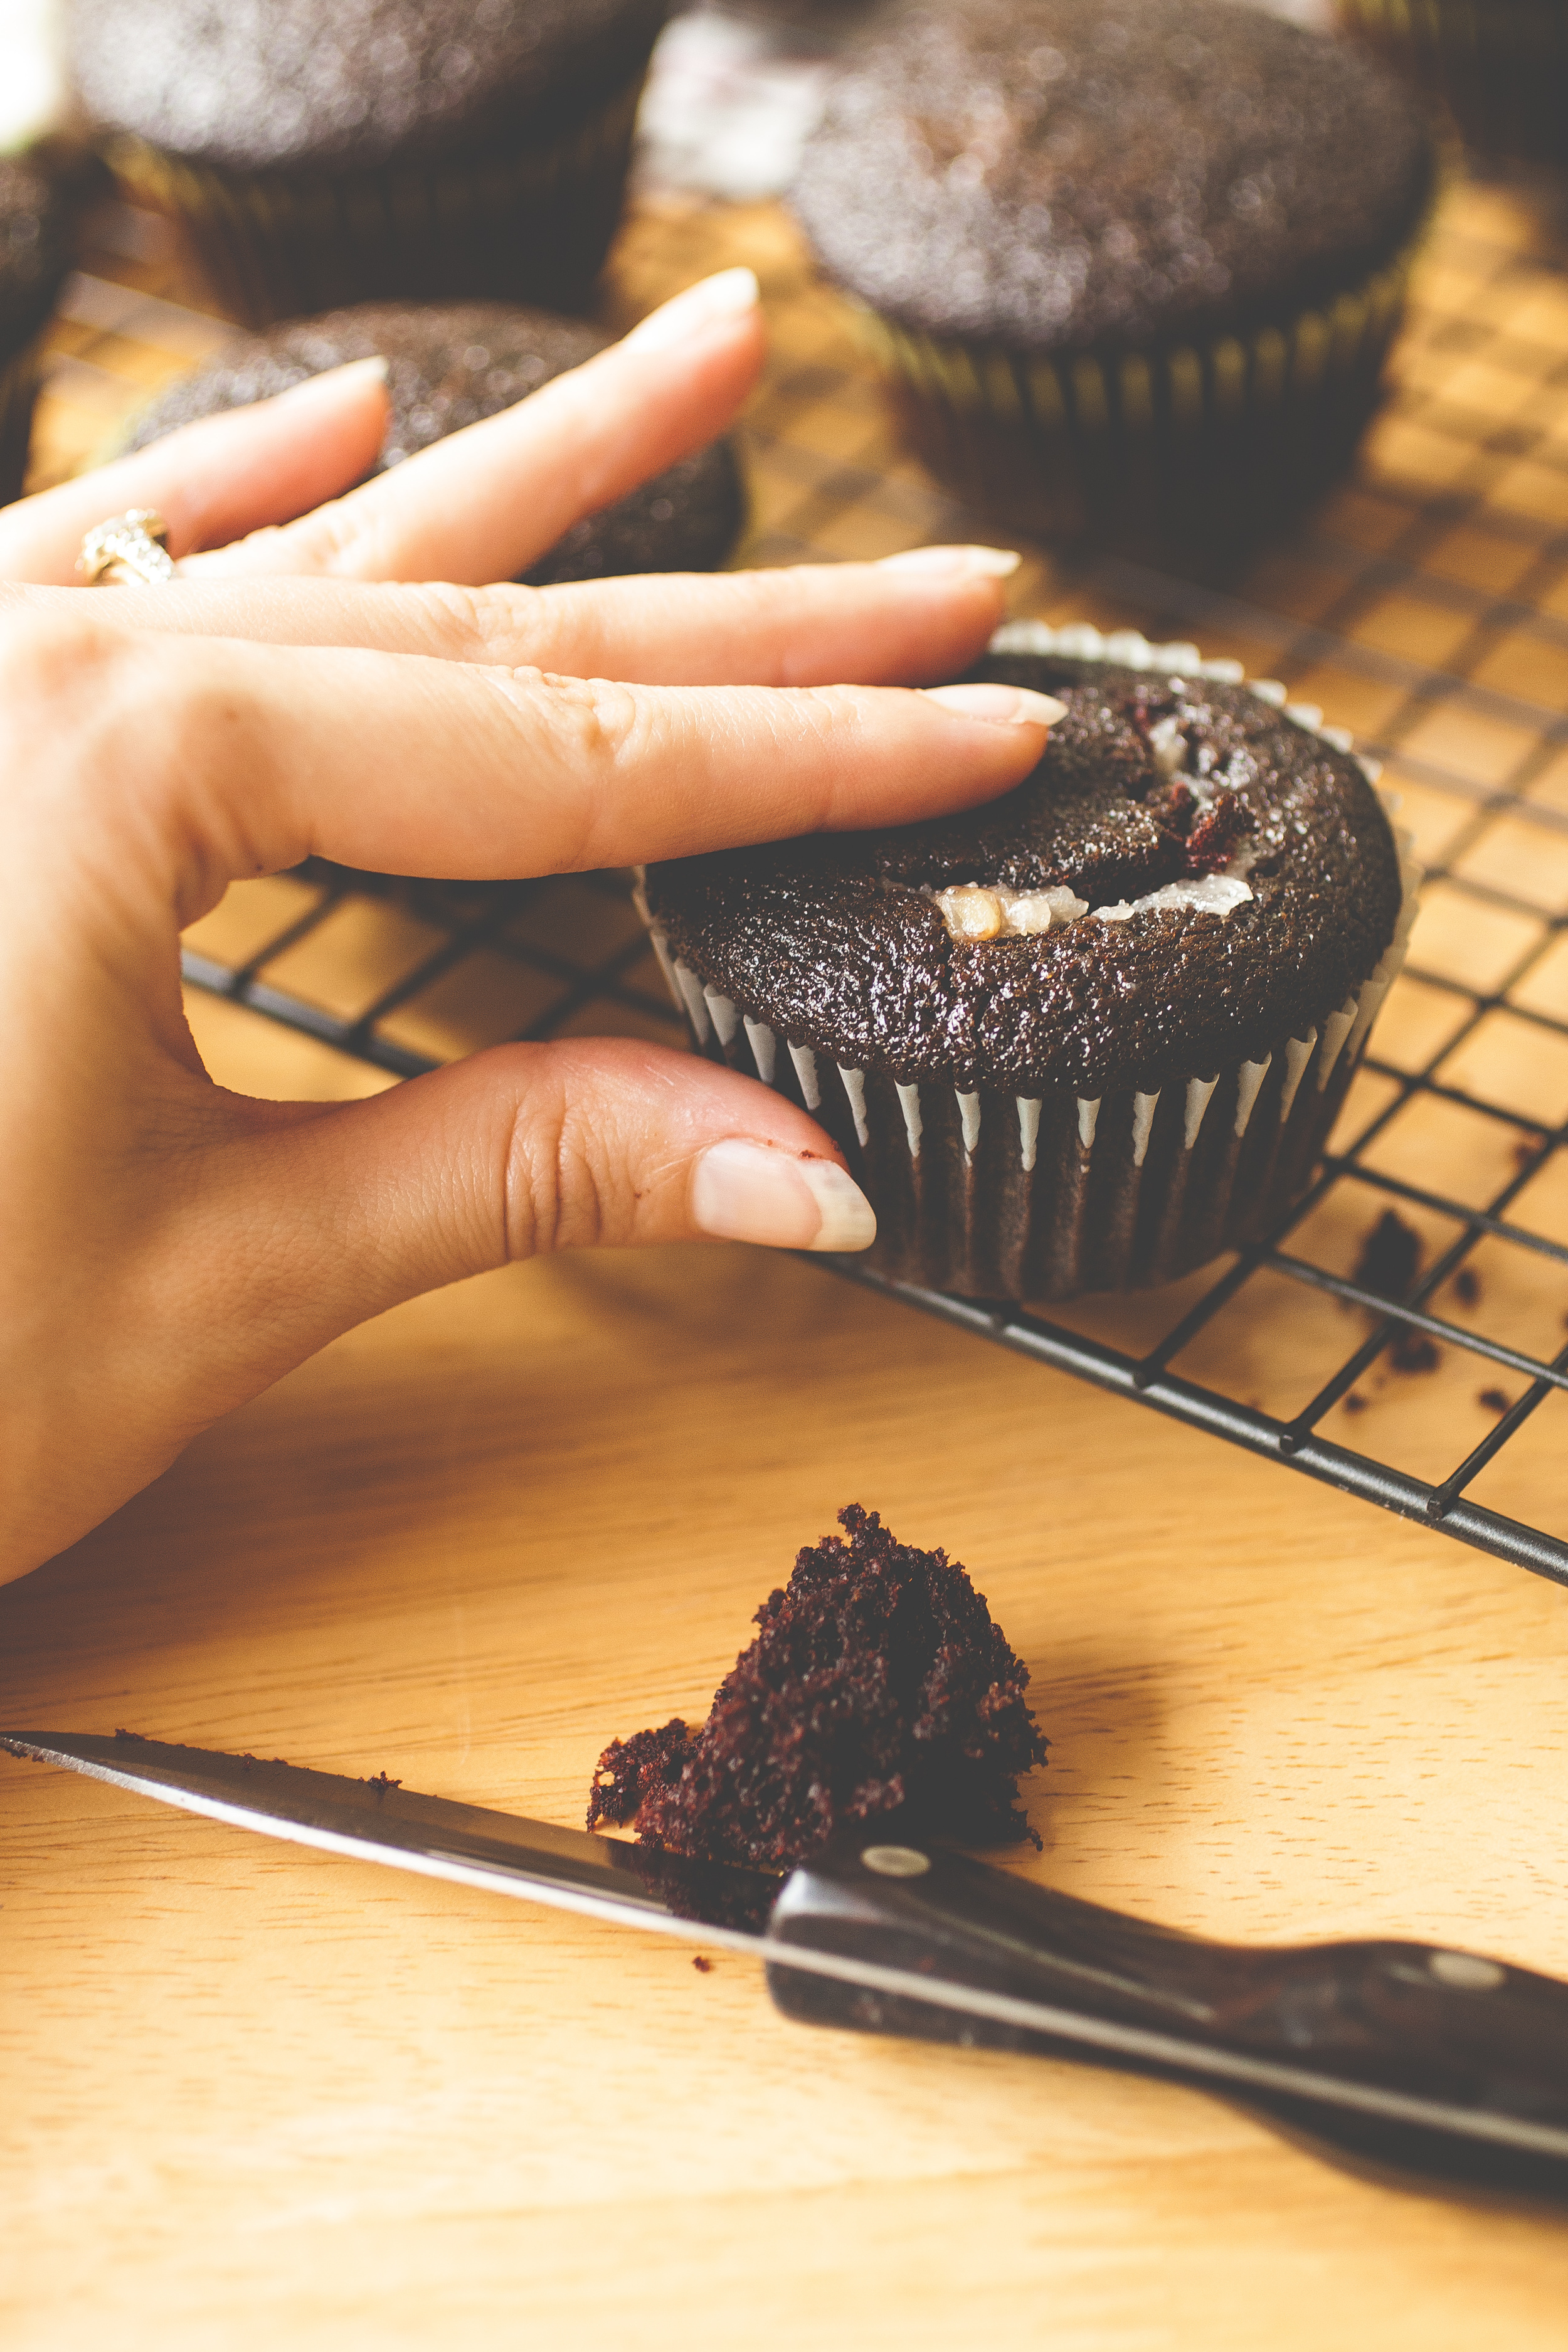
[258, 2096]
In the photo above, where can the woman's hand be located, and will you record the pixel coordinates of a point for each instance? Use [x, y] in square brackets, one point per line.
[255, 493]
[170, 1248]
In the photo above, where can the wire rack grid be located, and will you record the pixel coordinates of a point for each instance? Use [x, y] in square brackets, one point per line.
[1425, 605]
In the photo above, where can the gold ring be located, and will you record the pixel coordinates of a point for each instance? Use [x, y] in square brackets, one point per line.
[132, 545]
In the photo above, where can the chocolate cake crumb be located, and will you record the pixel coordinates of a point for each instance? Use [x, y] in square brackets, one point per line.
[628, 1769]
[1355, 1402]
[1176, 806]
[1468, 1286]
[1212, 841]
[877, 1682]
[1389, 1262]
[1390, 1257]
[704, 1968]
[1494, 1400]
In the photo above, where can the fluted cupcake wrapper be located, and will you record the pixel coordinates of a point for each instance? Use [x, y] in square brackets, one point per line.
[1206, 441]
[528, 220]
[18, 390]
[1502, 65]
[997, 1194]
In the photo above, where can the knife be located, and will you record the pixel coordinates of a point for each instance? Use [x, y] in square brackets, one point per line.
[1394, 2056]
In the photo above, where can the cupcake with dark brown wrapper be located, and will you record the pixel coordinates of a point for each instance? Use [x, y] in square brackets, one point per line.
[449, 365]
[1090, 1036]
[1501, 65]
[42, 193]
[1144, 263]
[382, 147]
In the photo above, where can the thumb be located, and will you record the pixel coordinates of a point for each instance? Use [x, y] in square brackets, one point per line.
[282, 1224]
[520, 1151]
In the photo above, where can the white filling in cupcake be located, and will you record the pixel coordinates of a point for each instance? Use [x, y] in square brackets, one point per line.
[983, 910]
[990, 910]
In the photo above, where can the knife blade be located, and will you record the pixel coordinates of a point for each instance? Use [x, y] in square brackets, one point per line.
[1397, 2055]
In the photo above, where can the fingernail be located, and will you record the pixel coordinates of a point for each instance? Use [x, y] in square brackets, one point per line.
[351, 370]
[956, 562]
[727, 296]
[759, 1193]
[1004, 706]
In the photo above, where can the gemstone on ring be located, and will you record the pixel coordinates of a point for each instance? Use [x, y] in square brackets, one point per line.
[134, 544]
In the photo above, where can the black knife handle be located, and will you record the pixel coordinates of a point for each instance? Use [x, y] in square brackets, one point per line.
[1485, 2044]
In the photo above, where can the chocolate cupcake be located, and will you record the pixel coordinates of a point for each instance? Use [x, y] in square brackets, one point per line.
[39, 199]
[1144, 262]
[449, 365]
[435, 148]
[1089, 1036]
[1502, 69]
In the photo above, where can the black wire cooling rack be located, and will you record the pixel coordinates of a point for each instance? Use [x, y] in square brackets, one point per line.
[1443, 1400]
[570, 958]
[1426, 608]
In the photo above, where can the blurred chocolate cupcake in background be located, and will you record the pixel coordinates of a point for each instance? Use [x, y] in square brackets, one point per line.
[372, 148]
[39, 200]
[1132, 268]
[1502, 66]
[449, 365]
[48, 178]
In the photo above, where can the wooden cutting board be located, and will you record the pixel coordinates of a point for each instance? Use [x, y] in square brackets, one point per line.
[258, 2096]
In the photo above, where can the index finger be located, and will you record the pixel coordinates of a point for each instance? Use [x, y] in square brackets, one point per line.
[402, 764]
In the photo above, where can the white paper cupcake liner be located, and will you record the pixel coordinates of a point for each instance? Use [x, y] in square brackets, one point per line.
[1001, 1195]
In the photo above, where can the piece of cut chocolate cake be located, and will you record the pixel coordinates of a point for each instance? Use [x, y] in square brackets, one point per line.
[877, 1684]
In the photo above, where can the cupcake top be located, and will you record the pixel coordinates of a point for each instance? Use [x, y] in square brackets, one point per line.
[1101, 174]
[1188, 877]
[39, 205]
[450, 364]
[261, 85]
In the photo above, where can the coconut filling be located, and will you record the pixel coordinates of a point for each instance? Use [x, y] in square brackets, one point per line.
[979, 911]
[988, 910]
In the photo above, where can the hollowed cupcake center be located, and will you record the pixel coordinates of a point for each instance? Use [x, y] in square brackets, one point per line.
[1139, 808]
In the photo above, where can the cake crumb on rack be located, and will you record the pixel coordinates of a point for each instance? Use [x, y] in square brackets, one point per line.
[1390, 1257]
